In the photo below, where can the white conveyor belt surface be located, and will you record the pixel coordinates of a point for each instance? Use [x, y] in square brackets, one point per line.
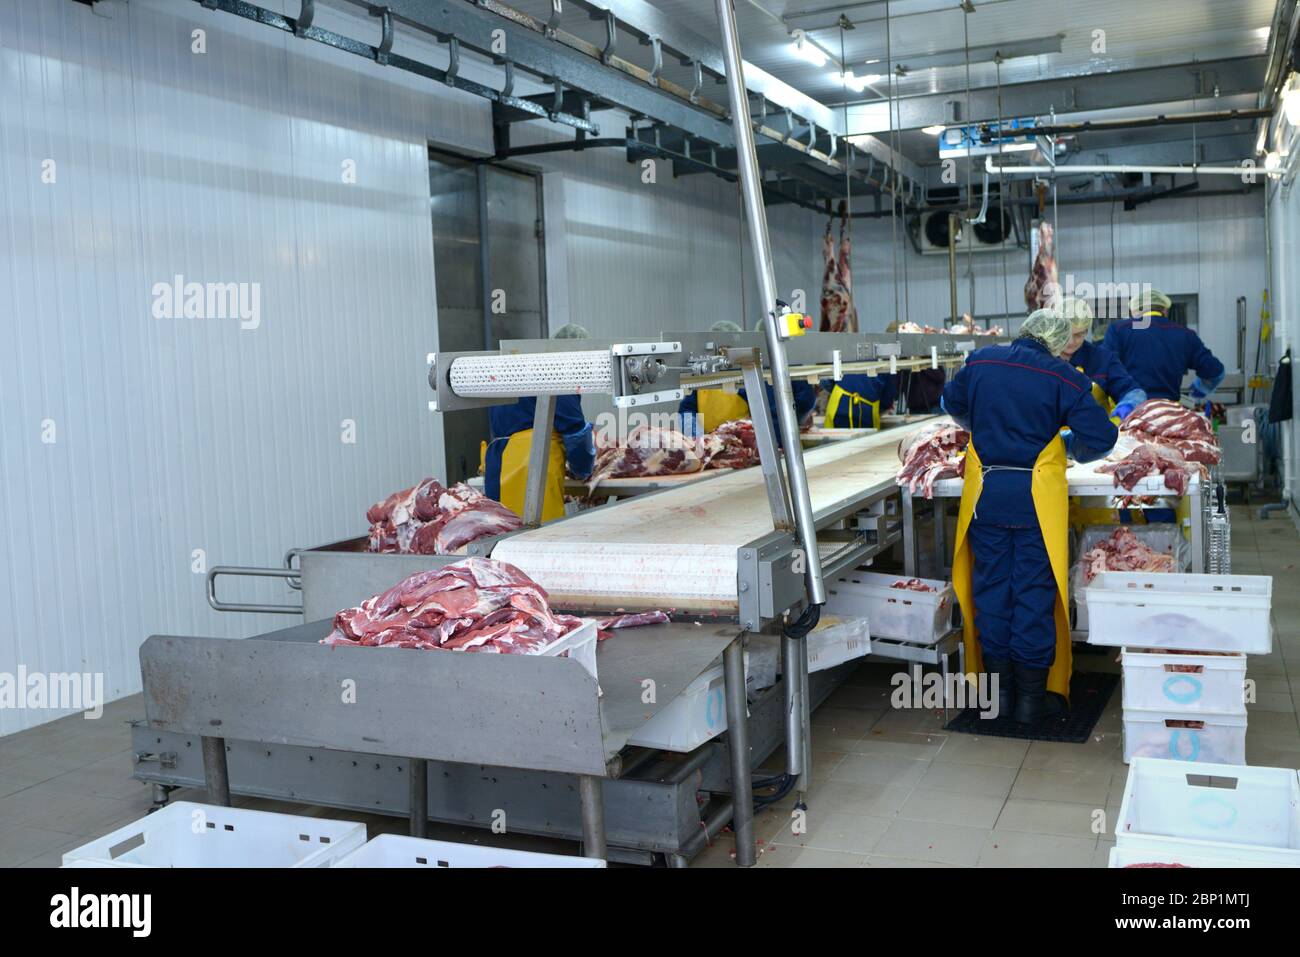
[677, 549]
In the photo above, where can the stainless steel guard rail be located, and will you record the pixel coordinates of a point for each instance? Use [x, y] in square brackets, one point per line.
[291, 575]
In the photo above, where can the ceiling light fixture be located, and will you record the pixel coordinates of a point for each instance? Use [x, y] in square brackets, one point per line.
[806, 49]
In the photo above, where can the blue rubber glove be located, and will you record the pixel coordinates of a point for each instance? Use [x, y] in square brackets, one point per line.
[1129, 401]
[1123, 411]
[580, 451]
[1068, 436]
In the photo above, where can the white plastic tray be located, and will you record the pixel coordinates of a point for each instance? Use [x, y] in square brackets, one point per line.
[697, 715]
[1186, 683]
[399, 850]
[897, 613]
[837, 640]
[1191, 612]
[184, 834]
[1218, 810]
[1179, 736]
[1177, 856]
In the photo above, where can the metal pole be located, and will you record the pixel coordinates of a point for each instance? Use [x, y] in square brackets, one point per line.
[539, 457]
[215, 772]
[954, 223]
[791, 677]
[756, 216]
[591, 794]
[418, 773]
[485, 257]
[742, 790]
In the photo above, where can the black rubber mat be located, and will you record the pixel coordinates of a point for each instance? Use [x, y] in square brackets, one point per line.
[1089, 692]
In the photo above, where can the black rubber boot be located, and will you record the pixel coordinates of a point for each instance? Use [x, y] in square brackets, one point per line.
[1033, 701]
[1006, 683]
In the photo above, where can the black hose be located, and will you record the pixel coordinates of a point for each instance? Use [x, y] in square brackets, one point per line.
[805, 623]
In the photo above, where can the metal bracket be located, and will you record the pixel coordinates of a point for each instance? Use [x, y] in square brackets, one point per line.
[539, 452]
[553, 24]
[453, 61]
[611, 38]
[509, 88]
[306, 13]
[385, 33]
[237, 571]
[699, 81]
[658, 67]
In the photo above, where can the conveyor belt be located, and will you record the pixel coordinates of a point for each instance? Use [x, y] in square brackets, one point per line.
[677, 549]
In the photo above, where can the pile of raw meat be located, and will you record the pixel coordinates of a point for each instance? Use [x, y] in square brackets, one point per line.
[1123, 551]
[1162, 438]
[838, 312]
[1042, 289]
[912, 584]
[1161, 422]
[474, 605]
[428, 519]
[651, 450]
[915, 328]
[1148, 459]
[938, 452]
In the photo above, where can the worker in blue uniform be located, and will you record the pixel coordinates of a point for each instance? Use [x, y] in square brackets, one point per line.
[1112, 386]
[706, 409]
[1158, 353]
[505, 460]
[1012, 557]
[856, 401]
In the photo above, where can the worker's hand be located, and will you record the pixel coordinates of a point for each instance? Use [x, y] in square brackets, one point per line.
[1068, 436]
[1123, 411]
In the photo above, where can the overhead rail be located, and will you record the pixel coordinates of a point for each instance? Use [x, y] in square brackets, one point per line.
[584, 77]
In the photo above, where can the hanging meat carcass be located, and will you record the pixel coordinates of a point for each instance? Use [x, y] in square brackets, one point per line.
[839, 314]
[1042, 290]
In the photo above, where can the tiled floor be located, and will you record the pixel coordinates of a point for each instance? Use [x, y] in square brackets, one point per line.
[890, 788]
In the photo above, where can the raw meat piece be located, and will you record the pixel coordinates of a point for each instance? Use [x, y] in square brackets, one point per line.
[838, 311]
[1150, 459]
[474, 605]
[739, 447]
[1123, 551]
[913, 584]
[933, 454]
[1042, 289]
[648, 451]
[428, 519]
[913, 328]
[1161, 422]
[608, 625]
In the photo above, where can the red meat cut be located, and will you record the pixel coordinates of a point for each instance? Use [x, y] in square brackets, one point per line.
[932, 454]
[428, 519]
[474, 605]
[1161, 422]
[1150, 459]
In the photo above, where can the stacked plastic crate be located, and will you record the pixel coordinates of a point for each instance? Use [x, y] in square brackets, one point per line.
[1185, 639]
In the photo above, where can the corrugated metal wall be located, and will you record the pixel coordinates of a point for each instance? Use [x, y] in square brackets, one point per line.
[129, 441]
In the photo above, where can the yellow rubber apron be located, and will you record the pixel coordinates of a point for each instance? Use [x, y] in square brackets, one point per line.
[1051, 505]
[717, 406]
[514, 475]
[857, 414]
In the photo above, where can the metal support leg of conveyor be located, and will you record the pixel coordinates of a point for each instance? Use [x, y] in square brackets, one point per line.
[418, 773]
[539, 455]
[592, 795]
[742, 791]
[796, 757]
[1197, 519]
[909, 535]
[805, 709]
[215, 772]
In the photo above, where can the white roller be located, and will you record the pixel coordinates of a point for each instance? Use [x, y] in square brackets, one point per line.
[538, 373]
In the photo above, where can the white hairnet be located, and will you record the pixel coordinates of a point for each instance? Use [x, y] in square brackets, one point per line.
[1050, 327]
[1147, 300]
[1078, 312]
[725, 325]
[571, 331]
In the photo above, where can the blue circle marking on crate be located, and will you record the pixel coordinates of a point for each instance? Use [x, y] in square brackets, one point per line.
[1195, 741]
[1213, 812]
[713, 707]
[1192, 692]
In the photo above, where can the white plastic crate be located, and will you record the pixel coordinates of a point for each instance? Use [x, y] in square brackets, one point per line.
[897, 613]
[1189, 682]
[580, 645]
[1191, 612]
[1178, 736]
[837, 640]
[697, 715]
[399, 850]
[1176, 857]
[184, 834]
[1222, 811]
